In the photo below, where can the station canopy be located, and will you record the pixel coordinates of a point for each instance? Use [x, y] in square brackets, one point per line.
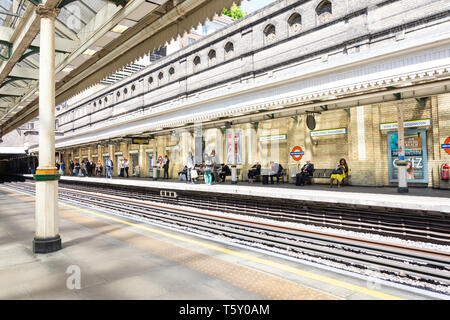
[94, 39]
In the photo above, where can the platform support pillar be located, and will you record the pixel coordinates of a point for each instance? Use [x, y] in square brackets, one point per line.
[47, 237]
[401, 164]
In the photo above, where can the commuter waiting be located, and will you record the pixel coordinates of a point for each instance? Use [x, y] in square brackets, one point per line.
[108, 168]
[224, 172]
[254, 171]
[276, 170]
[339, 173]
[98, 168]
[306, 172]
[77, 168]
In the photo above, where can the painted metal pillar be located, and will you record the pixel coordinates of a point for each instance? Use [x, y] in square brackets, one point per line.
[401, 163]
[47, 237]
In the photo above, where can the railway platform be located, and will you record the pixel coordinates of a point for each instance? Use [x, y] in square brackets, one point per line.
[106, 257]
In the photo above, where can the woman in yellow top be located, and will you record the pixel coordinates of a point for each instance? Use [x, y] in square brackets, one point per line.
[339, 173]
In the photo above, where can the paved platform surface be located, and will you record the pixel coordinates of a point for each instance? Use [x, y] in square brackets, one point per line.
[125, 259]
[417, 199]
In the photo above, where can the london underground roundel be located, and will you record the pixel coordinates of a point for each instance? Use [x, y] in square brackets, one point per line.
[446, 145]
[297, 153]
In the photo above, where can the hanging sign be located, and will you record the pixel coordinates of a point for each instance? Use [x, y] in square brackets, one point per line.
[297, 153]
[446, 145]
[406, 124]
[328, 132]
[140, 141]
[160, 159]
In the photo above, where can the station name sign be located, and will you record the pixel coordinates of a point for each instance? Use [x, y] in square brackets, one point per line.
[140, 140]
[406, 124]
[273, 138]
[328, 132]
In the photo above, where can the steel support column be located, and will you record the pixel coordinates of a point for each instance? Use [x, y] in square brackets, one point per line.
[47, 237]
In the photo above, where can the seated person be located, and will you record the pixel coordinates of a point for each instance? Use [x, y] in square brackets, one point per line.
[254, 171]
[182, 175]
[306, 172]
[276, 170]
[225, 171]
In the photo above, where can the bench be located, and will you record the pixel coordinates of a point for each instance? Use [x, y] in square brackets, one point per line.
[325, 174]
[283, 174]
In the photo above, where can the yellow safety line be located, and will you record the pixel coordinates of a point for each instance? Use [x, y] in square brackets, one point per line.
[325, 279]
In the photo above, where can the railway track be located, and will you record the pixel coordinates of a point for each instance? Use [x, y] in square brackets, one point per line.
[417, 227]
[411, 266]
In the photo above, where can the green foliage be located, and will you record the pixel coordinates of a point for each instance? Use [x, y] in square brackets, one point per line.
[235, 12]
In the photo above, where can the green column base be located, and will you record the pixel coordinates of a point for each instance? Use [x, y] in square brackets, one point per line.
[46, 177]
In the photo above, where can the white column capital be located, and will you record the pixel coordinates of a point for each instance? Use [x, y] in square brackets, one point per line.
[47, 12]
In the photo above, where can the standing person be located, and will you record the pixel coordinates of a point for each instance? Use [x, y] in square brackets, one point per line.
[339, 173]
[92, 168]
[126, 166]
[88, 168]
[122, 168]
[62, 168]
[215, 175]
[98, 168]
[208, 168]
[77, 168]
[190, 164]
[305, 173]
[108, 168]
[57, 165]
[166, 167]
[71, 167]
[83, 168]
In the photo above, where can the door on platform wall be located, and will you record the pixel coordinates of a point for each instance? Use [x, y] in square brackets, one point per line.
[415, 155]
[118, 163]
[150, 163]
[134, 163]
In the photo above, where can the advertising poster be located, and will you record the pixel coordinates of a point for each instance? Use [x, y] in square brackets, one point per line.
[415, 155]
[234, 151]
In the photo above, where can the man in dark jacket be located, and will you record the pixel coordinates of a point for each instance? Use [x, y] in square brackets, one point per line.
[305, 174]
[225, 171]
[166, 167]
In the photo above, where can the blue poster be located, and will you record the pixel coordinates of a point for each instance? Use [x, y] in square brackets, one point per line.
[415, 155]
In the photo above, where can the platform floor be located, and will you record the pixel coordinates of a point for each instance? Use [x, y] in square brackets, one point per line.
[417, 199]
[125, 259]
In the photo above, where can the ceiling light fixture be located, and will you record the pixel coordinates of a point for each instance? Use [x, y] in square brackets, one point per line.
[119, 28]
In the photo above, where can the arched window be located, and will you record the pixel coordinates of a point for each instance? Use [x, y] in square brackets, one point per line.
[229, 50]
[295, 23]
[106, 99]
[172, 71]
[212, 56]
[150, 80]
[118, 94]
[269, 33]
[324, 11]
[125, 91]
[197, 62]
[133, 87]
[160, 76]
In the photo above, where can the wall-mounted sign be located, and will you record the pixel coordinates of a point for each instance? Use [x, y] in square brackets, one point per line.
[273, 138]
[328, 132]
[297, 153]
[160, 159]
[105, 154]
[406, 124]
[118, 153]
[133, 151]
[415, 158]
[140, 140]
[172, 148]
[446, 145]
[149, 150]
